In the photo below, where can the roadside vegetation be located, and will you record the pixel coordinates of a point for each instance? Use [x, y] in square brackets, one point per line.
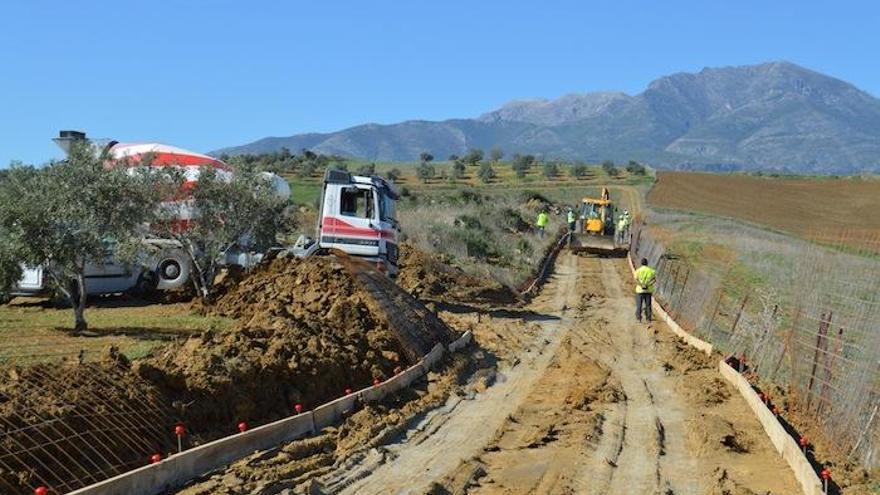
[486, 235]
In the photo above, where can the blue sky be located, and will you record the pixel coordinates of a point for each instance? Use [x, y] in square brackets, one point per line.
[203, 75]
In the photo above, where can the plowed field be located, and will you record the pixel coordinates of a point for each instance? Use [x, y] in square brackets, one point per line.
[812, 208]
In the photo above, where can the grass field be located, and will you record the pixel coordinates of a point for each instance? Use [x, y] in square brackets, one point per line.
[813, 208]
[31, 328]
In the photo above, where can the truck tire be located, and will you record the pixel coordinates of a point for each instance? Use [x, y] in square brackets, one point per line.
[146, 284]
[173, 270]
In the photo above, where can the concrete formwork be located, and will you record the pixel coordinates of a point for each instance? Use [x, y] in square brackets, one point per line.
[179, 468]
[781, 440]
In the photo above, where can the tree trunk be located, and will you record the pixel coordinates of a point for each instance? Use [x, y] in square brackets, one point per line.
[200, 281]
[79, 304]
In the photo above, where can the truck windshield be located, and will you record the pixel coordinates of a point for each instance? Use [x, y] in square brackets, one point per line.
[387, 209]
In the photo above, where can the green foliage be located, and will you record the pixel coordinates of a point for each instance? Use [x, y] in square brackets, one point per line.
[635, 168]
[62, 216]
[426, 157]
[458, 169]
[393, 174]
[306, 164]
[486, 173]
[367, 169]
[10, 268]
[551, 169]
[579, 170]
[609, 168]
[425, 171]
[473, 157]
[230, 210]
[339, 166]
[521, 164]
[467, 196]
[496, 155]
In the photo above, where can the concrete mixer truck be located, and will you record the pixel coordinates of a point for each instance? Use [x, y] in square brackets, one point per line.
[356, 217]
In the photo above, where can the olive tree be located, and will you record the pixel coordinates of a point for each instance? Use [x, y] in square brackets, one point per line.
[228, 210]
[68, 214]
[10, 269]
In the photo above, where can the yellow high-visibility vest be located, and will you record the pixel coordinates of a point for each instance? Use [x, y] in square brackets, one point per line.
[543, 218]
[645, 280]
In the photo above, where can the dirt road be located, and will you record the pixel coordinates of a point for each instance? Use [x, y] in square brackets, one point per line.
[584, 400]
[596, 404]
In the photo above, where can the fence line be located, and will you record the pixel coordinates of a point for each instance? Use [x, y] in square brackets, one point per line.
[817, 334]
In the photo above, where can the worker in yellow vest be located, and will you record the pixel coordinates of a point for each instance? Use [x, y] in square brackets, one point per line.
[572, 220]
[543, 220]
[621, 229]
[645, 282]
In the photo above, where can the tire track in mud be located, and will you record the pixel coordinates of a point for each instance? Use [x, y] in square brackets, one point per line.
[642, 449]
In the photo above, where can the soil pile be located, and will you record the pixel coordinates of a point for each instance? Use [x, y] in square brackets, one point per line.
[310, 330]
[429, 277]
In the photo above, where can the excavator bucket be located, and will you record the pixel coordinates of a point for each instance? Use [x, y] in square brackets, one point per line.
[595, 244]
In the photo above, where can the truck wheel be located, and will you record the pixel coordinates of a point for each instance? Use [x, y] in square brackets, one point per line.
[146, 284]
[173, 270]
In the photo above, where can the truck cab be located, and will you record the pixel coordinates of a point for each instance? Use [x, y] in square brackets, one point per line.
[358, 216]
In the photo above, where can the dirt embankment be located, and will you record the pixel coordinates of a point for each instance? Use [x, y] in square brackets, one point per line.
[430, 277]
[309, 331]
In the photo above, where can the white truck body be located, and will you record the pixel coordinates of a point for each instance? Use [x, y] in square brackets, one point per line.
[357, 217]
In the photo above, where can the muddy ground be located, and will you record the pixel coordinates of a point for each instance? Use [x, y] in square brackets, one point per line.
[566, 395]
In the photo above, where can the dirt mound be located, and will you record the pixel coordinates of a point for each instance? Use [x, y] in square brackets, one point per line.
[428, 276]
[721, 484]
[310, 330]
[708, 433]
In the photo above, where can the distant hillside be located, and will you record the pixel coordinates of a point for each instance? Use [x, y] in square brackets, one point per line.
[771, 116]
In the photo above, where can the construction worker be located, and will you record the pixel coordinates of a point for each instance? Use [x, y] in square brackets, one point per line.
[627, 221]
[571, 220]
[543, 220]
[645, 280]
[621, 229]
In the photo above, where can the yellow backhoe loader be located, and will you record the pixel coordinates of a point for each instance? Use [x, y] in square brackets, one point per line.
[595, 227]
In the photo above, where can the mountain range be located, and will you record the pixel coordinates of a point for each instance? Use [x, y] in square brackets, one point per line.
[772, 116]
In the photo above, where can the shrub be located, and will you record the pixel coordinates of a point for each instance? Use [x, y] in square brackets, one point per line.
[579, 170]
[609, 168]
[635, 168]
[486, 173]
